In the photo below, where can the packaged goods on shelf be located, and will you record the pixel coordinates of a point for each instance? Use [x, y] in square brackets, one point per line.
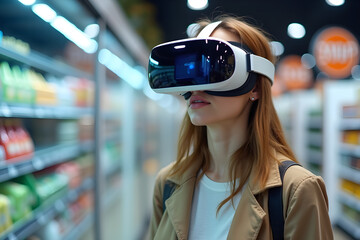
[50, 185]
[15, 140]
[65, 96]
[45, 92]
[83, 89]
[15, 44]
[5, 216]
[351, 213]
[20, 199]
[85, 128]
[86, 163]
[67, 131]
[351, 111]
[25, 93]
[72, 171]
[351, 137]
[7, 83]
[351, 187]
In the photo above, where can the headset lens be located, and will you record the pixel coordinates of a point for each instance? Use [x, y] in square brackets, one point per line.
[189, 63]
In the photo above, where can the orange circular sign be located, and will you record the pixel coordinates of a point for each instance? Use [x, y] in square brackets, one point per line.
[336, 52]
[293, 74]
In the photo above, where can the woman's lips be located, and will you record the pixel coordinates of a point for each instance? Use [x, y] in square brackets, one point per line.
[197, 102]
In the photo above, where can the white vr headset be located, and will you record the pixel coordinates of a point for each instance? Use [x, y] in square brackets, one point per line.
[208, 64]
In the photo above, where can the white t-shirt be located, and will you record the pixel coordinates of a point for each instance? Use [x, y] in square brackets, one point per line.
[204, 224]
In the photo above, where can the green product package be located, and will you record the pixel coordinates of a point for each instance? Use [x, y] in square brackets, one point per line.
[20, 197]
[7, 83]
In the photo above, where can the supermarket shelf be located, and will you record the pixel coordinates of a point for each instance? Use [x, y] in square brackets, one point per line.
[29, 111]
[315, 139]
[314, 156]
[80, 228]
[350, 124]
[350, 200]
[315, 122]
[42, 159]
[349, 226]
[44, 214]
[350, 174]
[112, 196]
[43, 63]
[350, 149]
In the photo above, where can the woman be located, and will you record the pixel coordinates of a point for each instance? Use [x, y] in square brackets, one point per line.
[229, 152]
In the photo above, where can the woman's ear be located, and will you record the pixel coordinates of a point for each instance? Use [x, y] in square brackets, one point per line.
[255, 93]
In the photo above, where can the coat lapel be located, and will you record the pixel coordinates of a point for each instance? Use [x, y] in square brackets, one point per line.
[250, 214]
[248, 217]
[179, 204]
[179, 208]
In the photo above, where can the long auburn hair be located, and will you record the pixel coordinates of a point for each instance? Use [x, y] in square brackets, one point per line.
[265, 136]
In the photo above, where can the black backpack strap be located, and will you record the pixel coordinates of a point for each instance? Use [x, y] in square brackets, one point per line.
[168, 190]
[276, 215]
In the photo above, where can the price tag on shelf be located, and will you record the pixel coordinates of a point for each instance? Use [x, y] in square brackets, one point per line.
[39, 112]
[11, 236]
[42, 219]
[5, 110]
[13, 172]
[38, 164]
[59, 205]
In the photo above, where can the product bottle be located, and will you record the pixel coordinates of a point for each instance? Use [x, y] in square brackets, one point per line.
[4, 141]
[14, 147]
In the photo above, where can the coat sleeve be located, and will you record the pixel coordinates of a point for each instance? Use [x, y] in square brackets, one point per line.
[307, 208]
[157, 207]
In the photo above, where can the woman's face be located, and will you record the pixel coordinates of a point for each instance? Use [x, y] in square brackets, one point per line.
[205, 109]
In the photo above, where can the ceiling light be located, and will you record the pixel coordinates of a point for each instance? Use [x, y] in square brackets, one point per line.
[335, 3]
[71, 32]
[27, 2]
[197, 4]
[44, 12]
[92, 30]
[277, 48]
[296, 30]
[131, 75]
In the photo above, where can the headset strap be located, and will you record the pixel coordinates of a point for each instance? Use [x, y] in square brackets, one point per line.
[207, 31]
[275, 203]
[261, 65]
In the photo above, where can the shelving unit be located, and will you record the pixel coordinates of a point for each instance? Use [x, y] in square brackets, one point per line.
[316, 129]
[115, 134]
[54, 153]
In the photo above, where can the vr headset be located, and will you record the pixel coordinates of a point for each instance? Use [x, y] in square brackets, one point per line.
[208, 64]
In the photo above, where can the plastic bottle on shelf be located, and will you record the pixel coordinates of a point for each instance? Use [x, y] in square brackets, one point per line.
[14, 148]
[4, 142]
[25, 92]
[25, 141]
[5, 216]
[7, 83]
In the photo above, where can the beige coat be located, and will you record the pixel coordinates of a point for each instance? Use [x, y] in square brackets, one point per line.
[304, 200]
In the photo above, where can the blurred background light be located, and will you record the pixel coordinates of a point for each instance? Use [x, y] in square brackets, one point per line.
[308, 60]
[92, 30]
[277, 48]
[197, 4]
[296, 30]
[335, 3]
[27, 2]
[355, 72]
[45, 12]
